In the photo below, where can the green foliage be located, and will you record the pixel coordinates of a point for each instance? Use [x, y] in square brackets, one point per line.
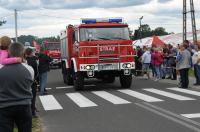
[2, 22]
[30, 38]
[147, 32]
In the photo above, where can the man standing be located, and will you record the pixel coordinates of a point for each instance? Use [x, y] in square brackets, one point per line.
[44, 62]
[15, 93]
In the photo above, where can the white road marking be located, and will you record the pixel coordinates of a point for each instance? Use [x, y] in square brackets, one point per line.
[81, 100]
[186, 91]
[110, 97]
[168, 94]
[141, 96]
[68, 87]
[50, 103]
[65, 87]
[48, 88]
[194, 115]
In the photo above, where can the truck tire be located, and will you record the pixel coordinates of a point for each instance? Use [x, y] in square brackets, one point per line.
[125, 81]
[109, 79]
[69, 78]
[79, 81]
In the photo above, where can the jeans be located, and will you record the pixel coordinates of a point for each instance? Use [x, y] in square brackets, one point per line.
[197, 73]
[184, 77]
[43, 82]
[20, 115]
[158, 71]
[153, 70]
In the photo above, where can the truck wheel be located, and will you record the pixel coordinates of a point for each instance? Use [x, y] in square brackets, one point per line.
[125, 81]
[109, 79]
[79, 81]
[69, 78]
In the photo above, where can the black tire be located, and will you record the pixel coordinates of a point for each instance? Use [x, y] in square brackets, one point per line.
[126, 81]
[109, 79]
[69, 78]
[79, 81]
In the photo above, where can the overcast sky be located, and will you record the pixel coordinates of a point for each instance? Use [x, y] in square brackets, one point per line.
[47, 17]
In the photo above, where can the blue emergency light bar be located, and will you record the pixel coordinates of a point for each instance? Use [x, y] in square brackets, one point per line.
[111, 20]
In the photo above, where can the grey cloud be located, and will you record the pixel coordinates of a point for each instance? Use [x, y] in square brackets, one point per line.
[76, 4]
[69, 4]
[19, 4]
[163, 1]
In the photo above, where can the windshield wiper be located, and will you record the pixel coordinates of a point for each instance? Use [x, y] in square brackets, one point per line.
[119, 38]
[103, 38]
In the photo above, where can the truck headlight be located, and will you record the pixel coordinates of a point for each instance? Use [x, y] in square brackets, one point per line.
[88, 67]
[128, 65]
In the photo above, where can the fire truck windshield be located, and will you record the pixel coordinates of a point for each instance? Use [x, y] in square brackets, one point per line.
[104, 33]
[52, 46]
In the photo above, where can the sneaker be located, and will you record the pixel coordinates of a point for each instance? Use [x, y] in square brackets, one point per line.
[156, 79]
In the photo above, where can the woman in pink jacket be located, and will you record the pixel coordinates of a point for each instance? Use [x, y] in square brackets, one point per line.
[158, 61]
[4, 57]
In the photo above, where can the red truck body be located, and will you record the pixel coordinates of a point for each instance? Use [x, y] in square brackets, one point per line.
[97, 49]
[52, 49]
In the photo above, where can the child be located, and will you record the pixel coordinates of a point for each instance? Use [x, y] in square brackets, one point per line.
[4, 57]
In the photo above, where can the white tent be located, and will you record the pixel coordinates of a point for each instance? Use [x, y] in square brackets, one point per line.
[173, 39]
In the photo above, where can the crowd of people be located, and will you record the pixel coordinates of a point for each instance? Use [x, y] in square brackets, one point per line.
[170, 62]
[21, 72]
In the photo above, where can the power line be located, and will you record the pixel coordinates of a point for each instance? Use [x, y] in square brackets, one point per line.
[6, 16]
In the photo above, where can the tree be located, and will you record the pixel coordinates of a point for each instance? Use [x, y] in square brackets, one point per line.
[147, 32]
[2, 22]
[159, 31]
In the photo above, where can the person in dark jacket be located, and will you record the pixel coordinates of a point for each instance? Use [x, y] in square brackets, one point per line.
[44, 62]
[32, 60]
[15, 93]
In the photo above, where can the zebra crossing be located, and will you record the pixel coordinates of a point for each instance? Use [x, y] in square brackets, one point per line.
[49, 102]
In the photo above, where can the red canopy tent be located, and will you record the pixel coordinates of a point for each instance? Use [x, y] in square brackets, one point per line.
[157, 42]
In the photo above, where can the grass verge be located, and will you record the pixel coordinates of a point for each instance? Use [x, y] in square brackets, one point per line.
[36, 125]
[191, 72]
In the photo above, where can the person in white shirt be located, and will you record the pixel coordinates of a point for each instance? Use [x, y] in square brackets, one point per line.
[196, 63]
[146, 60]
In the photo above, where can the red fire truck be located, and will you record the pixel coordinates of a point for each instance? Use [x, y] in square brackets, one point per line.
[97, 48]
[52, 49]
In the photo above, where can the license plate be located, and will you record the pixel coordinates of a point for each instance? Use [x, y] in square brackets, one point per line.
[107, 67]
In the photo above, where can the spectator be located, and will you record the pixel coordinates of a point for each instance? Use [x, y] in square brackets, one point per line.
[146, 60]
[196, 62]
[44, 62]
[32, 60]
[183, 65]
[158, 61]
[15, 93]
[152, 62]
[138, 63]
[4, 58]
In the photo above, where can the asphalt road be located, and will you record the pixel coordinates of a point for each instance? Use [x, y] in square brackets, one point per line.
[147, 106]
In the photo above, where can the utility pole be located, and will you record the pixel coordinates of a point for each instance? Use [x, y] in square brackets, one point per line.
[194, 31]
[192, 11]
[140, 29]
[184, 20]
[16, 35]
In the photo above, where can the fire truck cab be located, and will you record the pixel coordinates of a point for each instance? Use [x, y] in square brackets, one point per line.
[97, 48]
[52, 49]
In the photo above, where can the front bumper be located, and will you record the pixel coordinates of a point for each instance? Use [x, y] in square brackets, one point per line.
[107, 66]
